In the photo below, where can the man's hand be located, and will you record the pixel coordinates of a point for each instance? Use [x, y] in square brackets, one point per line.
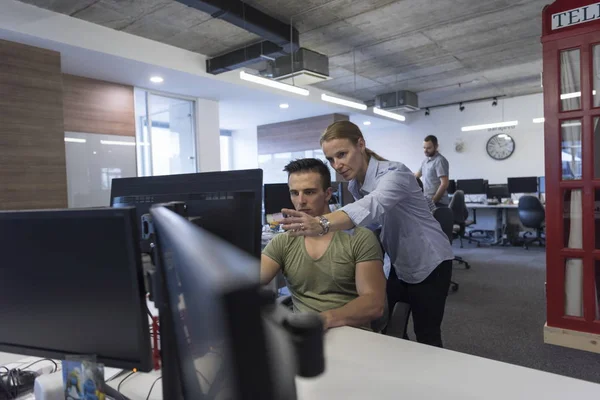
[299, 223]
[328, 318]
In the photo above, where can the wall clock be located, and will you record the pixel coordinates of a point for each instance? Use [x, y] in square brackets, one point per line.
[500, 146]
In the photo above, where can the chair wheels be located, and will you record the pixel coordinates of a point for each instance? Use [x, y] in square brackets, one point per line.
[454, 287]
[467, 266]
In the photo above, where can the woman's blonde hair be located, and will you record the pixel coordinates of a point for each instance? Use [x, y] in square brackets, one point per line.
[347, 130]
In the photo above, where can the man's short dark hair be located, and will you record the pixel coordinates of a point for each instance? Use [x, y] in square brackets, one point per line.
[310, 165]
[431, 139]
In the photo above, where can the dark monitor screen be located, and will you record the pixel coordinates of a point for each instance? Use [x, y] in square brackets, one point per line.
[451, 186]
[542, 184]
[277, 196]
[216, 201]
[523, 185]
[498, 191]
[72, 284]
[471, 186]
[225, 349]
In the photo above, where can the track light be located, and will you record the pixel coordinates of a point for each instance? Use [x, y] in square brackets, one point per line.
[495, 102]
[427, 111]
[461, 107]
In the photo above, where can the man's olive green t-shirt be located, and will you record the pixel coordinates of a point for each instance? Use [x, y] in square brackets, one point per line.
[328, 282]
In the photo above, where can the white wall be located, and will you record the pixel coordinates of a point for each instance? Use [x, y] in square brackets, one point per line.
[245, 148]
[404, 142]
[207, 135]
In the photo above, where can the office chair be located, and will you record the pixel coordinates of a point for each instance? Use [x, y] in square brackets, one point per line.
[445, 217]
[460, 213]
[532, 215]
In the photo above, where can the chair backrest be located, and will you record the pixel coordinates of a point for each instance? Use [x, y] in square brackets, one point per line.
[531, 212]
[445, 217]
[459, 207]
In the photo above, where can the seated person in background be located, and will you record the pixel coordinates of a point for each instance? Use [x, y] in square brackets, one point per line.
[339, 274]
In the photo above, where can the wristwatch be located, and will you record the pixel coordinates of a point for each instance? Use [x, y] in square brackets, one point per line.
[324, 224]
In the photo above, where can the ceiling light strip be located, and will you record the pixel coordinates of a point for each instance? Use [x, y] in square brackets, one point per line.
[74, 140]
[489, 126]
[388, 114]
[117, 143]
[343, 102]
[539, 120]
[274, 84]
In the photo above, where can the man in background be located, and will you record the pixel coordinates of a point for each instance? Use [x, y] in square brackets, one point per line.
[434, 173]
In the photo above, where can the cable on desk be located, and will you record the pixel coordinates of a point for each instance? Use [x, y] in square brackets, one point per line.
[124, 379]
[152, 387]
[44, 359]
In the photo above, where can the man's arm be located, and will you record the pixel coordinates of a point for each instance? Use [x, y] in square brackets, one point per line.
[441, 190]
[369, 305]
[268, 269]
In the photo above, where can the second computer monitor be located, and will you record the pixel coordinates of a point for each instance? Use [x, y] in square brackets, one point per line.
[276, 197]
[472, 186]
[498, 192]
[523, 185]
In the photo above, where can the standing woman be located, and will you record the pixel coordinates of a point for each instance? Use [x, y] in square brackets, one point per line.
[387, 195]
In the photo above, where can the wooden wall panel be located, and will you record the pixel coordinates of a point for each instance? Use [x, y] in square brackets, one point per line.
[32, 148]
[94, 106]
[297, 135]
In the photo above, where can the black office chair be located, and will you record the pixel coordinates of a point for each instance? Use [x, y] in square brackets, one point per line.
[461, 213]
[445, 217]
[532, 215]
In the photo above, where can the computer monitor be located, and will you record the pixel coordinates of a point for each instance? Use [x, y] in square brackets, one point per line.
[216, 201]
[276, 197]
[222, 342]
[498, 191]
[347, 197]
[451, 186]
[472, 186]
[523, 185]
[542, 184]
[72, 284]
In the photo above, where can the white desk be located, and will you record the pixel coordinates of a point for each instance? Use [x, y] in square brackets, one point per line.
[365, 365]
[500, 219]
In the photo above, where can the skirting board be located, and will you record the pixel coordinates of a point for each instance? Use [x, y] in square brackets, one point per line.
[573, 339]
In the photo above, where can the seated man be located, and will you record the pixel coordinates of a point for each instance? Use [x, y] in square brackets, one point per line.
[339, 274]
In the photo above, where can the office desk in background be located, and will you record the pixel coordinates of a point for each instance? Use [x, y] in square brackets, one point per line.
[497, 222]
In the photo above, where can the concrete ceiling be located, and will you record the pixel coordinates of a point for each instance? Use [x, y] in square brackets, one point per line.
[445, 50]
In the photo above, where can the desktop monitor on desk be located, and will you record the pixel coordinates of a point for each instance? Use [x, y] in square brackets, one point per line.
[219, 338]
[523, 185]
[542, 184]
[451, 186]
[72, 284]
[498, 191]
[216, 201]
[276, 197]
[472, 186]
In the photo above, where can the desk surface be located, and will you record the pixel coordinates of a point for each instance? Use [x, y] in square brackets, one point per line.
[364, 365]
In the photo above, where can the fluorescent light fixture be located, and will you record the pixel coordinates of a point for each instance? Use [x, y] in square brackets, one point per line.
[343, 102]
[74, 140]
[573, 95]
[367, 123]
[117, 143]
[489, 126]
[539, 120]
[570, 124]
[388, 114]
[284, 105]
[274, 84]
[157, 79]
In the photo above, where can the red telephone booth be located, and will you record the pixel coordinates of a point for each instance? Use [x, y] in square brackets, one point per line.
[571, 42]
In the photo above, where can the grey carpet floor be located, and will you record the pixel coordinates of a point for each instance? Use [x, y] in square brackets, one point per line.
[500, 310]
